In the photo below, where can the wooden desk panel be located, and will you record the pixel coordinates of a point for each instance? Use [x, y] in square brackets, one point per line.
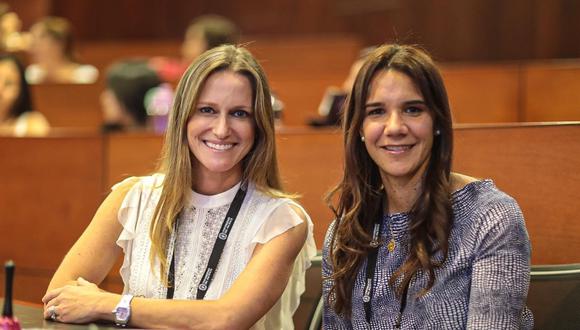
[538, 166]
[68, 105]
[50, 189]
[131, 155]
[302, 97]
[30, 316]
[311, 163]
[552, 91]
[483, 93]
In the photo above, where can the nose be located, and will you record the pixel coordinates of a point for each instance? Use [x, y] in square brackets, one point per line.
[221, 127]
[395, 125]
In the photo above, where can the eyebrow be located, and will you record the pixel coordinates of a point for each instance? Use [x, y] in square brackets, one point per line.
[407, 103]
[237, 107]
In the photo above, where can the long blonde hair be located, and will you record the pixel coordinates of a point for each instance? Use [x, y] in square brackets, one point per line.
[259, 165]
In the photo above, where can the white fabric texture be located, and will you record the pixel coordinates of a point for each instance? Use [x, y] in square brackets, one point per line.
[260, 219]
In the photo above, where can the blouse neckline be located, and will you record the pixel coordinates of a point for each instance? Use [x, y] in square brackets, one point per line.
[208, 201]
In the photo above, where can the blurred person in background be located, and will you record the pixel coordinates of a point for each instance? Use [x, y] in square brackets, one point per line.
[128, 83]
[330, 107]
[16, 112]
[52, 55]
[203, 33]
[12, 39]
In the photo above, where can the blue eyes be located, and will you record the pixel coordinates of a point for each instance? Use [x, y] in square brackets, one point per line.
[206, 110]
[234, 113]
[240, 114]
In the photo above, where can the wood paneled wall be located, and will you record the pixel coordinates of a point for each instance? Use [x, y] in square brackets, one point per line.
[451, 29]
[478, 93]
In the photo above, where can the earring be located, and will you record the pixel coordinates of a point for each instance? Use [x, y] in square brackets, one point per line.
[362, 138]
[437, 132]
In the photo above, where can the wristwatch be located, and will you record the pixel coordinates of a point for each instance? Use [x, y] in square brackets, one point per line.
[122, 312]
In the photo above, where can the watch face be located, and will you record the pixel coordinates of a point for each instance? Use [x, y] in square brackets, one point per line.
[122, 313]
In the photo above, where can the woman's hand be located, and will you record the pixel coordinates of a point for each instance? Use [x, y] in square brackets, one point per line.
[75, 303]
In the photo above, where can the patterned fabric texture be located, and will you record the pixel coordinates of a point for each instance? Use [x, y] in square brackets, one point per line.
[482, 285]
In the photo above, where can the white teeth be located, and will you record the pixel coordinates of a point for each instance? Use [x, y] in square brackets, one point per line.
[398, 148]
[219, 146]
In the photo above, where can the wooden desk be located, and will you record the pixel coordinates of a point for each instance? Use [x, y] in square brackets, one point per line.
[30, 317]
[69, 105]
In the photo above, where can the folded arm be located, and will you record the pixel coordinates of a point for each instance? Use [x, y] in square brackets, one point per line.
[253, 293]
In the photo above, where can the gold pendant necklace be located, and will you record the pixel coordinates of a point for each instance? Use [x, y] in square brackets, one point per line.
[391, 245]
[376, 233]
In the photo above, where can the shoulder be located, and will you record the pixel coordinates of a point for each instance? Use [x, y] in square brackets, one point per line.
[328, 237]
[483, 207]
[31, 123]
[34, 74]
[275, 216]
[286, 212]
[85, 74]
[142, 184]
[458, 181]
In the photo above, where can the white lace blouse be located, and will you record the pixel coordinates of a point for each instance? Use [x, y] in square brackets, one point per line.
[260, 219]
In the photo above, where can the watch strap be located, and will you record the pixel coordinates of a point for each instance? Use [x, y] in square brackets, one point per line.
[124, 303]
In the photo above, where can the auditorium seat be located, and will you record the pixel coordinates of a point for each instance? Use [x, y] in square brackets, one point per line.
[554, 296]
[310, 298]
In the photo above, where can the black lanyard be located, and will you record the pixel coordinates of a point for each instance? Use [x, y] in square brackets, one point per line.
[368, 289]
[218, 248]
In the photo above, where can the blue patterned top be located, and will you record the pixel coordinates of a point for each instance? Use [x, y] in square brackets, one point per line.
[482, 285]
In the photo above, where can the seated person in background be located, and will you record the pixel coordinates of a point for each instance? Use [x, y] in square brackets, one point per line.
[52, 55]
[414, 245]
[123, 101]
[330, 107]
[16, 114]
[203, 33]
[12, 39]
[218, 181]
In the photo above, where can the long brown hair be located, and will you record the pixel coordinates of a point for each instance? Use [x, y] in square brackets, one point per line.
[260, 166]
[360, 194]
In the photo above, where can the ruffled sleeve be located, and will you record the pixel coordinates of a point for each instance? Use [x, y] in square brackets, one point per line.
[131, 212]
[283, 218]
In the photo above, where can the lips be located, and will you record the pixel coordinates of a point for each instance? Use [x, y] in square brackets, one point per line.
[398, 149]
[219, 146]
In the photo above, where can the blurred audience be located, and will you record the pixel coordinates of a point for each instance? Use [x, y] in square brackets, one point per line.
[12, 39]
[52, 55]
[16, 112]
[129, 84]
[330, 108]
[203, 33]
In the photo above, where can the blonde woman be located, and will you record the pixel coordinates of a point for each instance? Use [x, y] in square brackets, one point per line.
[218, 192]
